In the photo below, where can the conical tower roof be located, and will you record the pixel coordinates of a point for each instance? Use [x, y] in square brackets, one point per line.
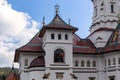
[58, 24]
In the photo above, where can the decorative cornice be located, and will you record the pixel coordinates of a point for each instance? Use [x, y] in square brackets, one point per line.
[99, 22]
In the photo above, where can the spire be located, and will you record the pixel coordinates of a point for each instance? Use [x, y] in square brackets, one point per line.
[69, 21]
[43, 22]
[57, 8]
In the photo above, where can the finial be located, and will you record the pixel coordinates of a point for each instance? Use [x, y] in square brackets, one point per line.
[43, 23]
[119, 17]
[57, 8]
[69, 21]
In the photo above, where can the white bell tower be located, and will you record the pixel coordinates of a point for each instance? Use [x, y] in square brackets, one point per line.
[105, 19]
[58, 47]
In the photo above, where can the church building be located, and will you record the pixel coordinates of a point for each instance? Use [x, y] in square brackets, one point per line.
[57, 53]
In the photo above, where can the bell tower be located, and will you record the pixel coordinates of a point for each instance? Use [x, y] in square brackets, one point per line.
[58, 46]
[104, 21]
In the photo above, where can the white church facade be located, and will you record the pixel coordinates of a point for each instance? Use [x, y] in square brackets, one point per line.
[57, 53]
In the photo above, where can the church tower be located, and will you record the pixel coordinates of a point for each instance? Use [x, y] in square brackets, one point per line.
[58, 47]
[104, 21]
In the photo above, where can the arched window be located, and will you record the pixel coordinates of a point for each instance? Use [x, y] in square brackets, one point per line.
[88, 63]
[59, 36]
[105, 62]
[114, 61]
[76, 63]
[112, 8]
[26, 62]
[109, 62]
[59, 55]
[52, 36]
[94, 63]
[119, 61]
[95, 11]
[82, 63]
[66, 37]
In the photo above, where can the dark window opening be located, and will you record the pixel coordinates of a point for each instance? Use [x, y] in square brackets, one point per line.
[76, 63]
[109, 62]
[82, 63]
[59, 55]
[59, 36]
[119, 61]
[91, 78]
[88, 63]
[114, 61]
[66, 37]
[52, 36]
[112, 8]
[111, 77]
[94, 63]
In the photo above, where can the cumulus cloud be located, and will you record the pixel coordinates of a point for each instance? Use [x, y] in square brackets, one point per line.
[16, 29]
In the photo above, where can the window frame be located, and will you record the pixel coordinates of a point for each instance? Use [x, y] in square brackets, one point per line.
[66, 36]
[59, 36]
[52, 36]
[59, 54]
[82, 63]
[76, 63]
[26, 62]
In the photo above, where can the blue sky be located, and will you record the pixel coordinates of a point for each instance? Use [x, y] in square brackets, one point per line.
[20, 20]
[79, 11]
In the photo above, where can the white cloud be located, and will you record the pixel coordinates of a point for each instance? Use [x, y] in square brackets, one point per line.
[16, 29]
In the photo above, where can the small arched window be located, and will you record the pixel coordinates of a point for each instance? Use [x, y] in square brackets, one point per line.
[82, 63]
[105, 62]
[119, 61]
[66, 37]
[109, 62]
[59, 55]
[95, 12]
[114, 61]
[88, 63]
[76, 63]
[26, 62]
[94, 63]
[52, 36]
[59, 36]
[112, 8]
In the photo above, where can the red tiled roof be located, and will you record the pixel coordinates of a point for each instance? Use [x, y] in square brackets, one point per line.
[38, 62]
[13, 76]
[84, 46]
[112, 48]
[57, 23]
[35, 45]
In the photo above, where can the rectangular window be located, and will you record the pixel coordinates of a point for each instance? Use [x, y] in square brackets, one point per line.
[26, 62]
[52, 36]
[76, 63]
[112, 8]
[59, 75]
[59, 36]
